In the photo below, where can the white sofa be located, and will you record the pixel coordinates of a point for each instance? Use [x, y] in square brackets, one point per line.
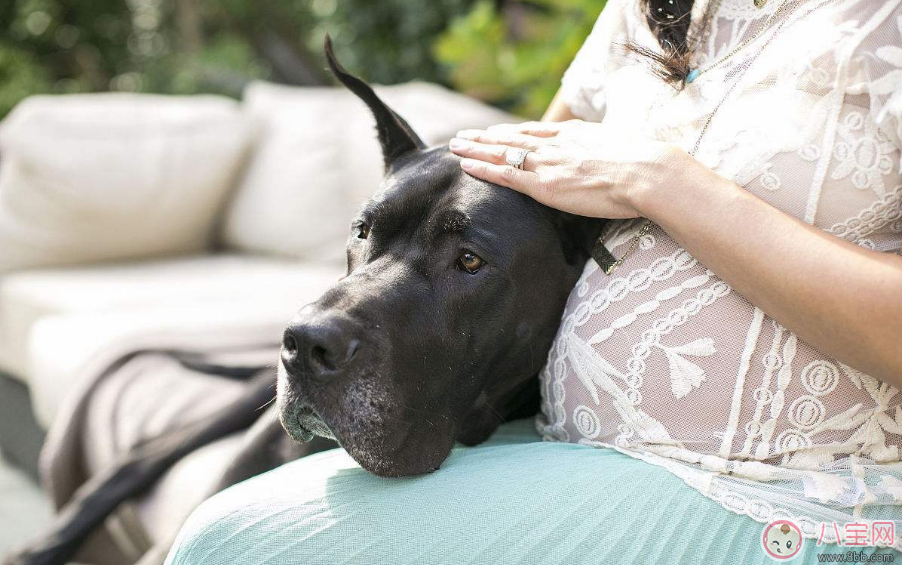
[125, 215]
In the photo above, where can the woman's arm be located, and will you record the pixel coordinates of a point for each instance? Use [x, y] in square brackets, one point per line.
[844, 300]
[557, 110]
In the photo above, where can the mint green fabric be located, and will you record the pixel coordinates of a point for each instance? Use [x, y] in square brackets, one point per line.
[511, 500]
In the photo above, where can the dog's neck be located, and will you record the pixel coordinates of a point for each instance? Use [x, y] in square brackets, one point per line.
[494, 407]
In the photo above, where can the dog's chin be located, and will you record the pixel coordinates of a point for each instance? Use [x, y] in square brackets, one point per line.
[412, 458]
[384, 452]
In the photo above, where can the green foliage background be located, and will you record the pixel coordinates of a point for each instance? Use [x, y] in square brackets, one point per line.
[507, 52]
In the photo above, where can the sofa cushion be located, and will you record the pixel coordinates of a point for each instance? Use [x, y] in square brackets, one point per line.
[318, 159]
[54, 322]
[98, 177]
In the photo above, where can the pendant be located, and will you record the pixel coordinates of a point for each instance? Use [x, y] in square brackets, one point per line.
[604, 258]
[693, 74]
[760, 3]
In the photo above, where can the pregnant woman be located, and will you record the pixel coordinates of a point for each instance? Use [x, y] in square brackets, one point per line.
[733, 356]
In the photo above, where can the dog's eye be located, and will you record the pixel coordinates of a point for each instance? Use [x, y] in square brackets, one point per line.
[470, 262]
[363, 231]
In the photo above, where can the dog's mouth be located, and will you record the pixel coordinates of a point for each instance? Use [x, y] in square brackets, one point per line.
[388, 448]
[304, 424]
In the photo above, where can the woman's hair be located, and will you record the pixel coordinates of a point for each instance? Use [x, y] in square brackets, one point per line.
[669, 21]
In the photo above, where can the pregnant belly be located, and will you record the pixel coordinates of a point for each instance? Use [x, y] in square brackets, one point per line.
[664, 354]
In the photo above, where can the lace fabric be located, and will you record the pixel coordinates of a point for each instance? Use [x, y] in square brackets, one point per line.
[662, 360]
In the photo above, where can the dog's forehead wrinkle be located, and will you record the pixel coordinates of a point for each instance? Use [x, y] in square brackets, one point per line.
[410, 188]
[452, 220]
[446, 200]
[399, 212]
[489, 204]
[372, 209]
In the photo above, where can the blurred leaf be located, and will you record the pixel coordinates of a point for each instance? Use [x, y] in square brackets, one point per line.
[515, 57]
[20, 77]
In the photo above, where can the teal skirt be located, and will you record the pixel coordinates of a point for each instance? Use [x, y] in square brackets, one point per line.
[513, 499]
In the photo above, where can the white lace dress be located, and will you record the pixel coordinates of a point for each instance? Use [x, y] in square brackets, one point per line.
[662, 359]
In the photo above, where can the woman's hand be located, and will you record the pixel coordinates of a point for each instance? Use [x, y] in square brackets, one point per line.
[575, 166]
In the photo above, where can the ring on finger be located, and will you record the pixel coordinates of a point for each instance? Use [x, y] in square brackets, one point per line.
[515, 157]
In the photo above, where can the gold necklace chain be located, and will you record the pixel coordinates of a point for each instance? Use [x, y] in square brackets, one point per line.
[711, 10]
[695, 73]
[600, 253]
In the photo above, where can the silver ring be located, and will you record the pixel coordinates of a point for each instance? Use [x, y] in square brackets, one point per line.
[515, 157]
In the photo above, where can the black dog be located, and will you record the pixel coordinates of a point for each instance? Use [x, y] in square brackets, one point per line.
[454, 292]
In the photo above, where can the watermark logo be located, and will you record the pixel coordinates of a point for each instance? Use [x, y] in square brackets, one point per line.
[782, 540]
[859, 533]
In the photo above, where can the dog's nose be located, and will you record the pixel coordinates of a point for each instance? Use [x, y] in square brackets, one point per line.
[319, 347]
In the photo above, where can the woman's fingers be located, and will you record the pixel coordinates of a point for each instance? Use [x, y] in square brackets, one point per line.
[526, 134]
[498, 137]
[490, 153]
[504, 175]
[535, 129]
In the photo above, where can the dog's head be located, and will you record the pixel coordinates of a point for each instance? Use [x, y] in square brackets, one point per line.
[454, 291]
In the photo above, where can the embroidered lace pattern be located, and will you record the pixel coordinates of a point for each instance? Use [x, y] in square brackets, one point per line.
[662, 360]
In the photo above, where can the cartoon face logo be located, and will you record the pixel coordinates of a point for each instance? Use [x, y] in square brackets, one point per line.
[782, 539]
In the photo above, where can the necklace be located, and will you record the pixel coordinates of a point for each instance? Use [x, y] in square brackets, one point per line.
[700, 38]
[600, 253]
[696, 72]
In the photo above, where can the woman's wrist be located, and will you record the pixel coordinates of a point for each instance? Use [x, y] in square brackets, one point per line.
[644, 194]
[684, 181]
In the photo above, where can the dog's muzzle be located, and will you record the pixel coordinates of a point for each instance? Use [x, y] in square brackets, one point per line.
[319, 345]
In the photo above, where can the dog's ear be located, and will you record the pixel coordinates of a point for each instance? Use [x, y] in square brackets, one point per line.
[395, 135]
